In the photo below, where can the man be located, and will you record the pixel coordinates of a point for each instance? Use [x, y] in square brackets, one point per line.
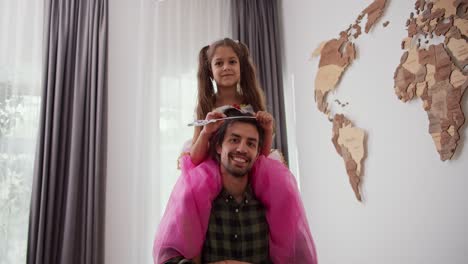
[237, 231]
[214, 210]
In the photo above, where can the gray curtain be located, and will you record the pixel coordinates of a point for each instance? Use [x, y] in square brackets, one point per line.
[258, 25]
[67, 204]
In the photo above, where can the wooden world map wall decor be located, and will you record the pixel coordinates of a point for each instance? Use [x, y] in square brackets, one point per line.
[437, 72]
[434, 67]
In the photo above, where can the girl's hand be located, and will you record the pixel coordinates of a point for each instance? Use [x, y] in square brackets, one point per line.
[266, 120]
[213, 127]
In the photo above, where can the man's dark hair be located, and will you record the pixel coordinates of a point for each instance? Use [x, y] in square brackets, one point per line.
[218, 137]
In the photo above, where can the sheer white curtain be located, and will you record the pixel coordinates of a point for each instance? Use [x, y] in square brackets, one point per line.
[153, 59]
[20, 85]
[183, 28]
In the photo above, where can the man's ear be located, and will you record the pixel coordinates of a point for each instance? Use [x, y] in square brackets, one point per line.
[259, 150]
[218, 149]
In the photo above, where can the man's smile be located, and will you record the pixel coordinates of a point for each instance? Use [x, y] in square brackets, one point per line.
[239, 159]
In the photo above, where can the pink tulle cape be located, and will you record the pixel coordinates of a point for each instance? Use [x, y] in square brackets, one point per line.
[183, 226]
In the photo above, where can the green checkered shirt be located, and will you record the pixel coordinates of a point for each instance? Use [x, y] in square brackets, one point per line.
[237, 231]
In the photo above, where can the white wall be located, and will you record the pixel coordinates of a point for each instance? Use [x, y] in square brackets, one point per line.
[415, 207]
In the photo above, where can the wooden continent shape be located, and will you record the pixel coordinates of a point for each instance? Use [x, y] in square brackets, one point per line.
[437, 74]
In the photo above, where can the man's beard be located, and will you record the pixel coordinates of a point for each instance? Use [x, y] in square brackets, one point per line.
[235, 171]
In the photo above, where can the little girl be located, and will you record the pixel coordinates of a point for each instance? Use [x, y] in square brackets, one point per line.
[225, 61]
[184, 224]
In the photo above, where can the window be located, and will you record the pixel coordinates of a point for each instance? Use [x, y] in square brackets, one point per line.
[20, 71]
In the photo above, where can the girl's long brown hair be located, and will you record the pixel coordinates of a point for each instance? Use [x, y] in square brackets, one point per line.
[251, 91]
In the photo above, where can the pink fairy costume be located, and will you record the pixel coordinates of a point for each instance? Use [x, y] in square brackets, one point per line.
[183, 226]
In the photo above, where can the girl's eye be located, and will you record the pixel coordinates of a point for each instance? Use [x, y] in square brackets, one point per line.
[233, 140]
[252, 145]
[218, 63]
[233, 62]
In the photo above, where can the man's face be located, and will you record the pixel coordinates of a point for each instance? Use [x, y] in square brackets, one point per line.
[239, 149]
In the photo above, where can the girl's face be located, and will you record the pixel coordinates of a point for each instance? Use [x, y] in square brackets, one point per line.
[225, 67]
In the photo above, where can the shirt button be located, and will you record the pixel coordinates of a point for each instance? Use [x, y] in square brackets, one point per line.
[227, 201]
[246, 201]
[237, 210]
[235, 236]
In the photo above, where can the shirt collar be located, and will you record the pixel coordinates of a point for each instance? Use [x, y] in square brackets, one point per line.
[248, 194]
